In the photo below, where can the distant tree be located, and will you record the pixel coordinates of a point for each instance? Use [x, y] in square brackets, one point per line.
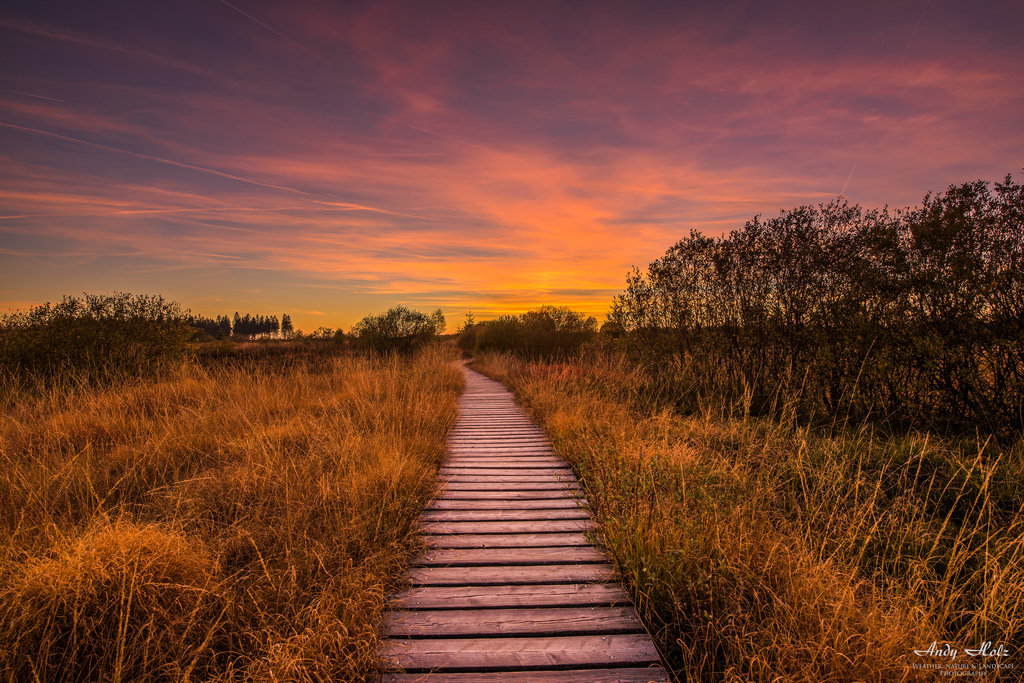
[398, 329]
[467, 333]
[202, 325]
[223, 327]
[543, 332]
[437, 319]
[235, 324]
[286, 326]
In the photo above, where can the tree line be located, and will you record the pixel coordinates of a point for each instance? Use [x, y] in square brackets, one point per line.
[544, 332]
[914, 314]
[247, 326]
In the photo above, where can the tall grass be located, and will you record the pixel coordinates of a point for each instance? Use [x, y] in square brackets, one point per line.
[761, 550]
[228, 521]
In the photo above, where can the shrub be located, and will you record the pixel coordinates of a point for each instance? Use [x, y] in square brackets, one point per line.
[915, 314]
[398, 329]
[99, 336]
[544, 332]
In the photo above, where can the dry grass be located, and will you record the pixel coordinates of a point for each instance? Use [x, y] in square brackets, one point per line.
[762, 550]
[232, 521]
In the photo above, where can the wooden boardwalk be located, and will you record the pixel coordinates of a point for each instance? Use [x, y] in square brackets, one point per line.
[510, 588]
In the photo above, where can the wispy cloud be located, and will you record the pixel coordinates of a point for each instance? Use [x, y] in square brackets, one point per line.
[478, 160]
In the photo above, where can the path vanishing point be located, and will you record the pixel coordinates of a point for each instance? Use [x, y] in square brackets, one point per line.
[510, 588]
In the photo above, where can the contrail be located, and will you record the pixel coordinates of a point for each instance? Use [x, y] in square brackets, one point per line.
[28, 94]
[863, 142]
[278, 33]
[898, 64]
[917, 26]
[202, 169]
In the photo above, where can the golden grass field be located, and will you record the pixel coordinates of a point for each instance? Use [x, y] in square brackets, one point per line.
[244, 518]
[237, 520]
[761, 550]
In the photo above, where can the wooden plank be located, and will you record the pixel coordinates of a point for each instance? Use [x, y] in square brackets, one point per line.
[500, 440]
[504, 541]
[501, 515]
[481, 452]
[502, 478]
[460, 432]
[506, 653]
[511, 575]
[623, 675]
[563, 471]
[510, 556]
[532, 435]
[514, 622]
[505, 463]
[503, 444]
[507, 495]
[543, 526]
[552, 485]
[507, 457]
[495, 597]
[526, 504]
[500, 444]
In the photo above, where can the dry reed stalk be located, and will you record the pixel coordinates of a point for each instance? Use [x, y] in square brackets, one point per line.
[236, 521]
[762, 550]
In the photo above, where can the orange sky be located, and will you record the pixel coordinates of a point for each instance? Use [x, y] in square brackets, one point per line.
[329, 163]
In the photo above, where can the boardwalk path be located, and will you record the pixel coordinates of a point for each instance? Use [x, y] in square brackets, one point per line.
[510, 588]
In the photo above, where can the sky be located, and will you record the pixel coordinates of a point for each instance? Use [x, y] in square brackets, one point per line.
[332, 159]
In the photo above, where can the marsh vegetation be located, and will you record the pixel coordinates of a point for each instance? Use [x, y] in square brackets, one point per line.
[241, 518]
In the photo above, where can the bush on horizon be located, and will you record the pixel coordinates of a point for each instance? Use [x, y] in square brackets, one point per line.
[913, 314]
[398, 330]
[98, 336]
[543, 332]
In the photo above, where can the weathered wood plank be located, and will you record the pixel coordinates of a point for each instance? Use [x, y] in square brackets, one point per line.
[526, 504]
[501, 515]
[510, 486]
[505, 478]
[563, 471]
[510, 575]
[503, 446]
[509, 622]
[505, 653]
[511, 456]
[495, 432]
[544, 526]
[505, 464]
[505, 541]
[500, 441]
[510, 556]
[500, 436]
[494, 597]
[509, 495]
[512, 453]
[623, 675]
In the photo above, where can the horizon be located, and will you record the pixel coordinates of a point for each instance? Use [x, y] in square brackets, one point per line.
[331, 163]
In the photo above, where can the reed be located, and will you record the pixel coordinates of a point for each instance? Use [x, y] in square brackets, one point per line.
[762, 549]
[236, 520]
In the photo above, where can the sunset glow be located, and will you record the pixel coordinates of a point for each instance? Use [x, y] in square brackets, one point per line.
[329, 160]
